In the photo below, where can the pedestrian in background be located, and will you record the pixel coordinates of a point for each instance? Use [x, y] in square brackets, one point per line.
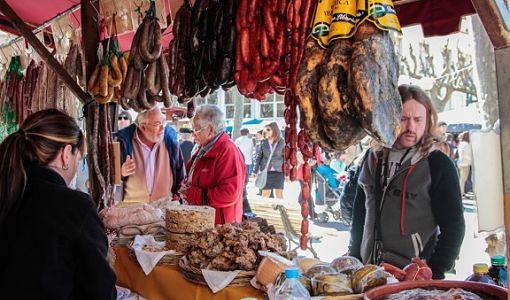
[245, 144]
[186, 143]
[124, 119]
[465, 160]
[269, 159]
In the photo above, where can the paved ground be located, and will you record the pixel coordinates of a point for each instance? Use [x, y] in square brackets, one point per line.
[335, 236]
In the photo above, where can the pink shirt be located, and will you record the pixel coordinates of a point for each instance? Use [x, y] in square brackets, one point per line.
[149, 160]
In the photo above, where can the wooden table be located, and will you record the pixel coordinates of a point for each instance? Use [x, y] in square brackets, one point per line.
[167, 283]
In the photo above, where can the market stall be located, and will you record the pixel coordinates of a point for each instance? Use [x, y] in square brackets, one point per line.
[169, 52]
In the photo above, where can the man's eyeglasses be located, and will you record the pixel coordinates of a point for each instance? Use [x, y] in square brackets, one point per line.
[124, 118]
[157, 124]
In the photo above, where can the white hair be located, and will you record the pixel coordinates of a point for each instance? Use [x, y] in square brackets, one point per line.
[142, 117]
[209, 114]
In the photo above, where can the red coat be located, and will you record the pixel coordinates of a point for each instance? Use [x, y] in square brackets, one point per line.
[221, 174]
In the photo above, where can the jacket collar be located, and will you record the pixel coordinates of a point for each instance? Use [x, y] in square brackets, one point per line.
[43, 173]
[216, 149]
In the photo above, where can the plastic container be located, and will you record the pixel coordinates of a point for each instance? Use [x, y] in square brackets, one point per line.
[498, 271]
[292, 288]
[481, 274]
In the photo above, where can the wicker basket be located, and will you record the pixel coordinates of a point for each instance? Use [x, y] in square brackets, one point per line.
[194, 275]
[125, 241]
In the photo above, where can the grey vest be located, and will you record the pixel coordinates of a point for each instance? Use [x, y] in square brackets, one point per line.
[418, 222]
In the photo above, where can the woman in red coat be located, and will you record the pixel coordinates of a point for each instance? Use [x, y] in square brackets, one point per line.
[216, 170]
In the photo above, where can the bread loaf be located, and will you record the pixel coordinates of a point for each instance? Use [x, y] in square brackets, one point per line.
[179, 241]
[189, 219]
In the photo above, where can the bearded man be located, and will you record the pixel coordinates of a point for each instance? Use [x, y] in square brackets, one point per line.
[408, 202]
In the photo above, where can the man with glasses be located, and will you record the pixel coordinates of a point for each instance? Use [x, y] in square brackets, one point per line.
[152, 166]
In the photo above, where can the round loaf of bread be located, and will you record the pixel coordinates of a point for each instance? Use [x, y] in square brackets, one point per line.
[179, 241]
[189, 219]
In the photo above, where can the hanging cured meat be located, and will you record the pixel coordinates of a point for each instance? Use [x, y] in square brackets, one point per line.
[347, 82]
[306, 91]
[147, 75]
[374, 83]
[337, 107]
[202, 53]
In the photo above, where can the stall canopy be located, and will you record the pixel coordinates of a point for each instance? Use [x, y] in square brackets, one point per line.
[438, 17]
[36, 12]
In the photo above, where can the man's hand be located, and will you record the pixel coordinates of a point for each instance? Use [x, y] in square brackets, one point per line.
[128, 167]
[183, 189]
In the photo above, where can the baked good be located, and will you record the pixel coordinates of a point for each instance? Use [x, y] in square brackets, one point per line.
[189, 219]
[136, 214]
[269, 269]
[306, 263]
[233, 247]
[331, 285]
[179, 241]
[346, 265]
[319, 269]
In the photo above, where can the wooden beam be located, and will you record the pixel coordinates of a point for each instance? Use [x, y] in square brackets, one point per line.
[90, 34]
[495, 18]
[46, 56]
[502, 56]
[90, 38]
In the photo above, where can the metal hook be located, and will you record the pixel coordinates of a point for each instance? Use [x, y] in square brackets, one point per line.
[5, 57]
[28, 49]
[19, 49]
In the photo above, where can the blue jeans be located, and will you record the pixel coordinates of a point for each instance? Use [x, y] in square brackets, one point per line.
[249, 170]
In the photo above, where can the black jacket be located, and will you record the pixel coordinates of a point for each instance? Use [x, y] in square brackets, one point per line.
[54, 246]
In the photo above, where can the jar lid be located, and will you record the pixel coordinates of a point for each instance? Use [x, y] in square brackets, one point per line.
[480, 268]
[498, 260]
[292, 273]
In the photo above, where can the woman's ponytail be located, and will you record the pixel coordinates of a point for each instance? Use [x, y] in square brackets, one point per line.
[13, 176]
[38, 141]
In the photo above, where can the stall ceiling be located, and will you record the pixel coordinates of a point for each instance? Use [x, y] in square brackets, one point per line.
[438, 17]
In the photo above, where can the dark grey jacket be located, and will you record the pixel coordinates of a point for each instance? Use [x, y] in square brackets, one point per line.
[427, 223]
[263, 153]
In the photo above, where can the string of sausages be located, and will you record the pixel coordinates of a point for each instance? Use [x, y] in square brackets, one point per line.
[102, 161]
[147, 75]
[202, 53]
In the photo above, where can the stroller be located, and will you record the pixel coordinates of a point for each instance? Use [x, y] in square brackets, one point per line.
[329, 196]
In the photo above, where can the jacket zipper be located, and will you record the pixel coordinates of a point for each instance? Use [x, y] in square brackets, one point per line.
[390, 182]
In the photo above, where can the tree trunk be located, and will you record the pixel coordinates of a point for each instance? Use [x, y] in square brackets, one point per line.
[485, 73]
[238, 113]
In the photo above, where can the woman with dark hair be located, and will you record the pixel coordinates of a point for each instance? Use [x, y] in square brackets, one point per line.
[465, 160]
[53, 243]
[269, 159]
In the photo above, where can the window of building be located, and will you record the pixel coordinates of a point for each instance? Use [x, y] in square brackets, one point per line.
[272, 107]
